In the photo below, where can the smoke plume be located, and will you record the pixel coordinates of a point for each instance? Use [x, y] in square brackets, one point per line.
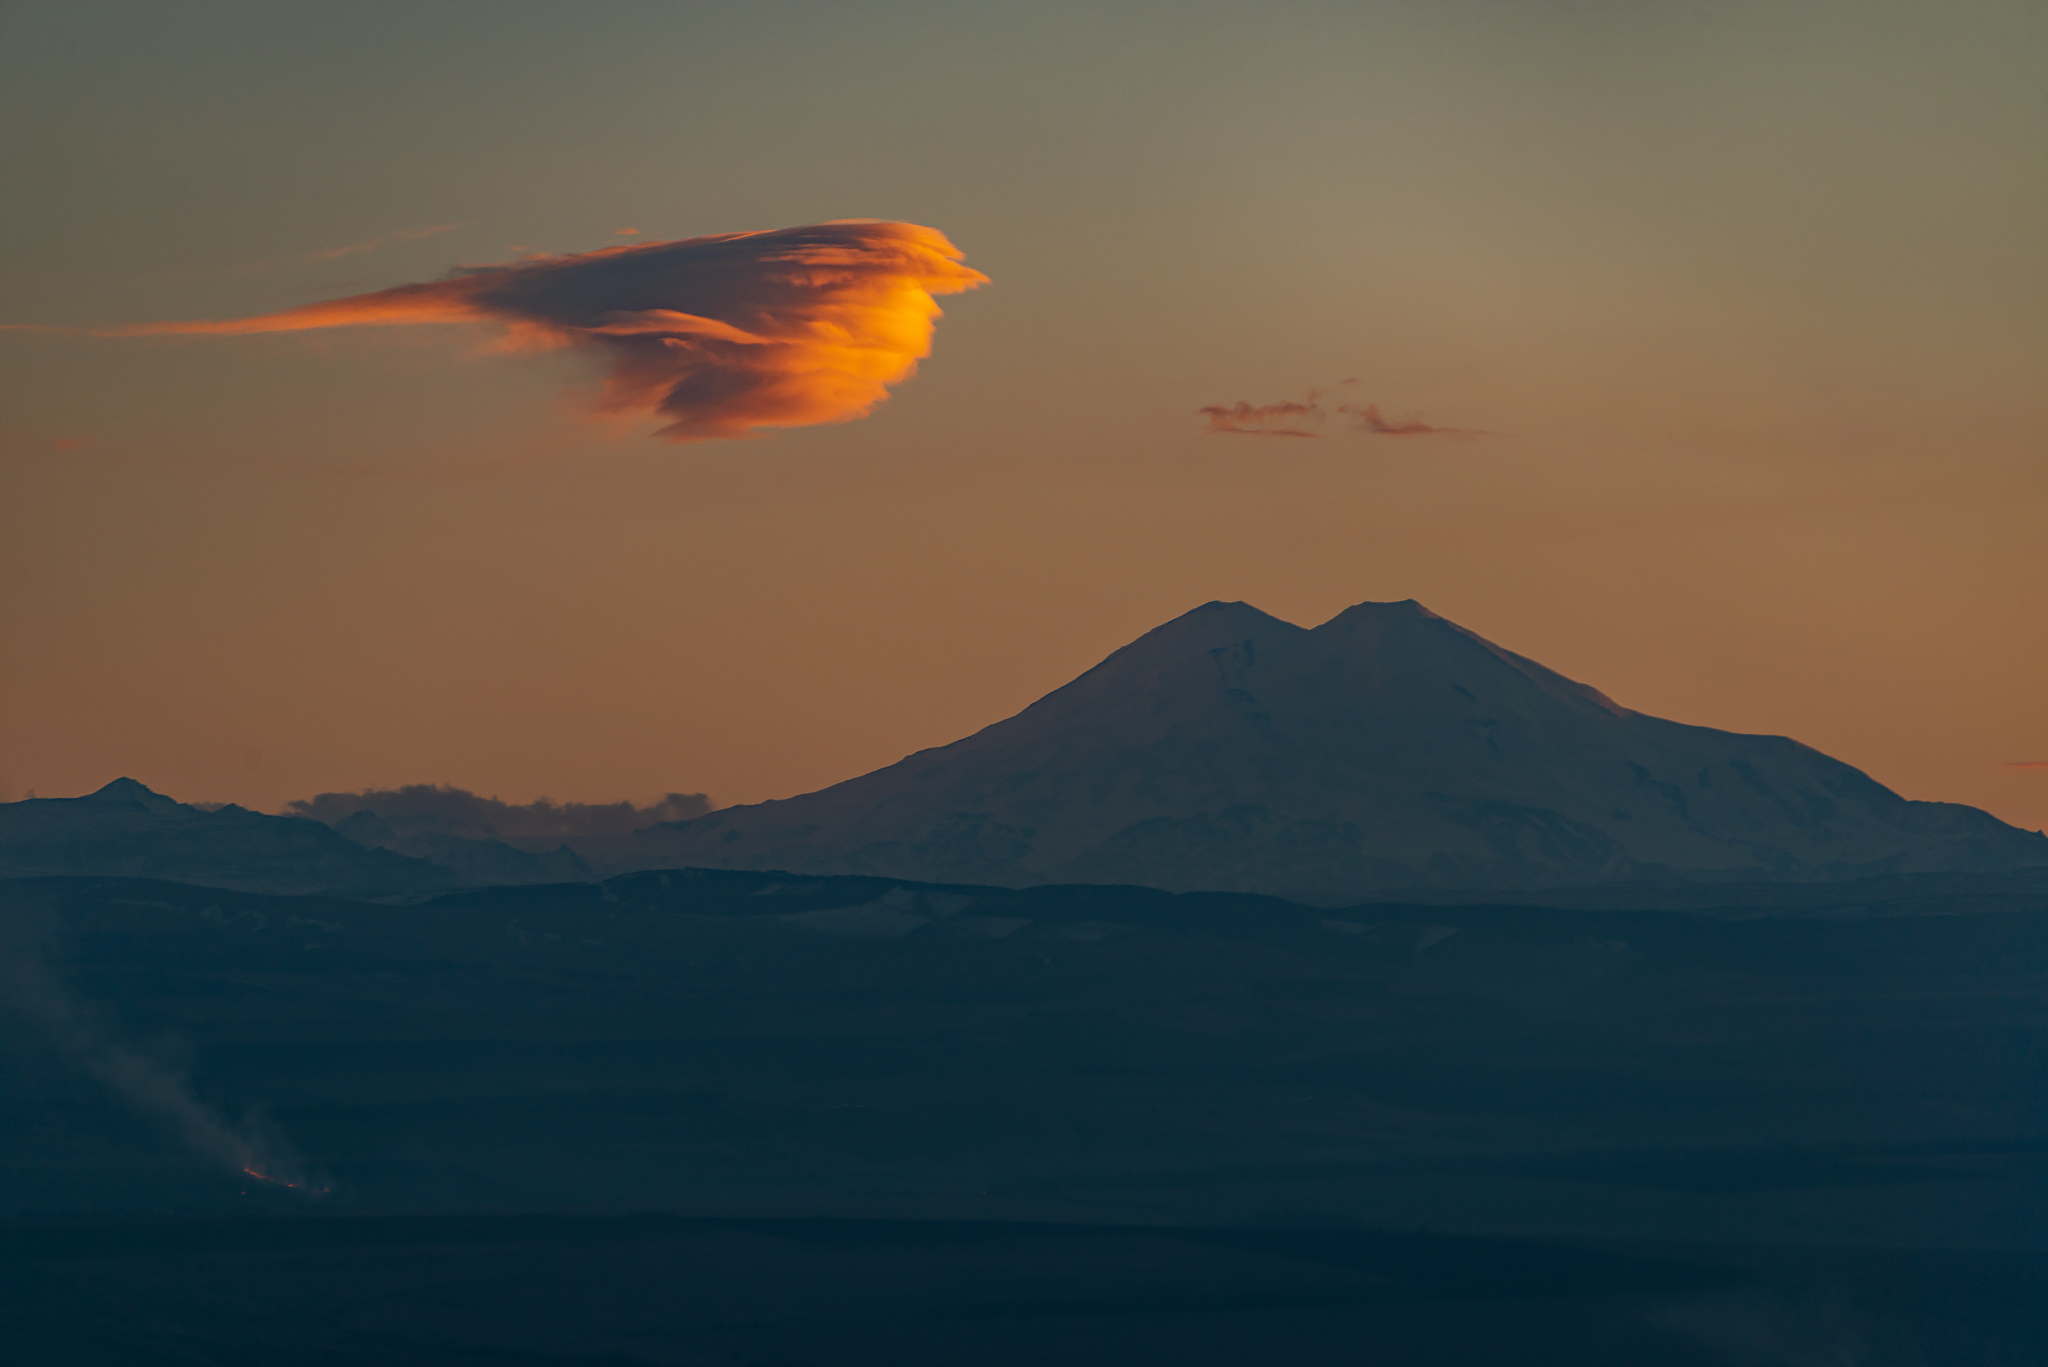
[712, 336]
[599, 831]
[248, 1150]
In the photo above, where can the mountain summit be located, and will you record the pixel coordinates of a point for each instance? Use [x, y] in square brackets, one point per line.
[1386, 749]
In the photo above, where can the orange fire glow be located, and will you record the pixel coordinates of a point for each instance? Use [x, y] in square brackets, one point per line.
[281, 1182]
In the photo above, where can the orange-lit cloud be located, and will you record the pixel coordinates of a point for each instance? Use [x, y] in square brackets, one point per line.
[70, 443]
[713, 336]
[2028, 764]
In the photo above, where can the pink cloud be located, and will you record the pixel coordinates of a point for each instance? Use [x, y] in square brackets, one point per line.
[1266, 420]
[1370, 421]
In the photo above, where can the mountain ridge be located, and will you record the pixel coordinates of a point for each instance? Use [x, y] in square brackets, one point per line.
[126, 829]
[1385, 749]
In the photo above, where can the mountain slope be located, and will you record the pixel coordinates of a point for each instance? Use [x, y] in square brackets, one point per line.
[1385, 749]
[471, 860]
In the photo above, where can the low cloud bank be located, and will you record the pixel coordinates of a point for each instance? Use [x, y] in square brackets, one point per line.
[713, 336]
[598, 831]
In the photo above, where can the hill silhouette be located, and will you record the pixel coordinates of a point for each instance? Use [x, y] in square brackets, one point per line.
[127, 830]
[1387, 749]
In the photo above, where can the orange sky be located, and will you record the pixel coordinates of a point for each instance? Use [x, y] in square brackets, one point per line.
[1750, 305]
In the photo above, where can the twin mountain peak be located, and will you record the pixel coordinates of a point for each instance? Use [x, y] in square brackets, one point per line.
[1386, 749]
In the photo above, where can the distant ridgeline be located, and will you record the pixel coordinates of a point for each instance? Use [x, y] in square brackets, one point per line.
[1387, 751]
[125, 830]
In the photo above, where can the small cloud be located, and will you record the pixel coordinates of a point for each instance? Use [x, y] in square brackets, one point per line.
[714, 336]
[1264, 420]
[1370, 421]
[625, 232]
[2027, 764]
[70, 443]
[1294, 418]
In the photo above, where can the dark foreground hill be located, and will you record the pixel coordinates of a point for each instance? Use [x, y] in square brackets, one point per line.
[725, 1117]
[1387, 749]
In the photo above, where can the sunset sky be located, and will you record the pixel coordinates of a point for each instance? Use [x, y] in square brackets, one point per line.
[1739, 313]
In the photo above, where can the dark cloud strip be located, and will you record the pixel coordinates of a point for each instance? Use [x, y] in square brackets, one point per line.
[1294, 418]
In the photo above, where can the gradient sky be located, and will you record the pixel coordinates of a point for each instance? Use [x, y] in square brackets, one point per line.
[1750, 297]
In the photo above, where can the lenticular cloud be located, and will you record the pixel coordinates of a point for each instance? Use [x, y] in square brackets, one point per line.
[714, 336]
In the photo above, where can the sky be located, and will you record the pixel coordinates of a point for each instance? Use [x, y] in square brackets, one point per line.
[1738, 310]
